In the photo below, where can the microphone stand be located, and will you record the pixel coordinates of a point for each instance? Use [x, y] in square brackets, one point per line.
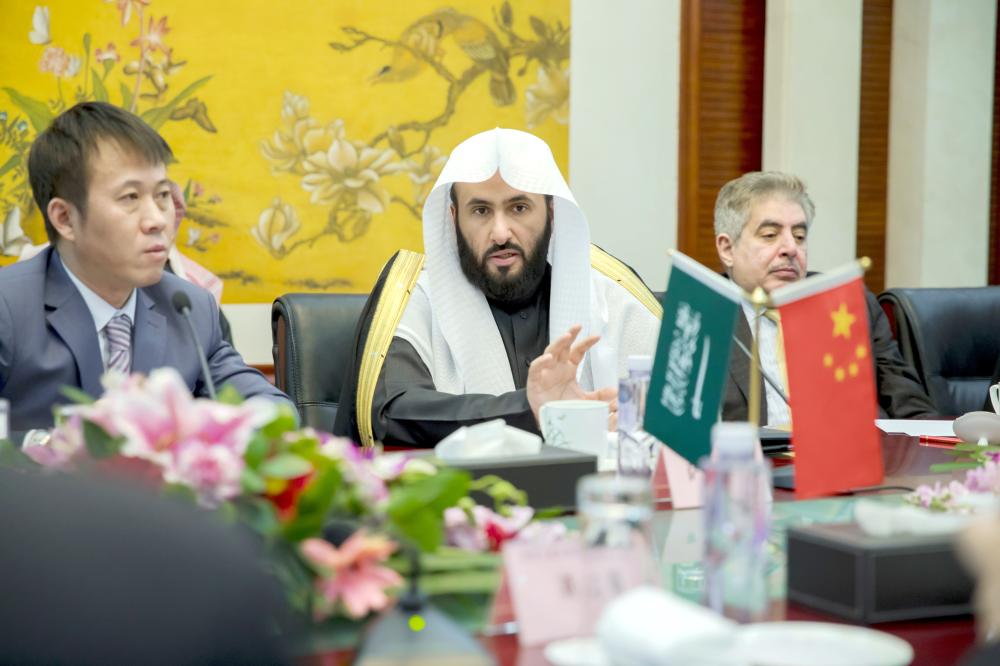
[763, 373]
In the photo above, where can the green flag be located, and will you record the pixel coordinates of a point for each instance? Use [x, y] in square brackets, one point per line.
[692, 357]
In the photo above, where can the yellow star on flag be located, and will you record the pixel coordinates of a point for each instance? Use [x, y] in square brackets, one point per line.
[842, 321]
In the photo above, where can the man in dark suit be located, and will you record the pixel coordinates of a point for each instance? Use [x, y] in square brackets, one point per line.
[762, 224]
[98, 298]
[95, 572]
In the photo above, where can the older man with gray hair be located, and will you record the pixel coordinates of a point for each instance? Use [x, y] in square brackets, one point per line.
[762, 222]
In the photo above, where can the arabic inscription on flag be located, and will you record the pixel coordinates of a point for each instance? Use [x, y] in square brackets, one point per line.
[680, 364]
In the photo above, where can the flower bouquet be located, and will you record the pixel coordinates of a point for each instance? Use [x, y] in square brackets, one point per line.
[340, 524]
[979, 489]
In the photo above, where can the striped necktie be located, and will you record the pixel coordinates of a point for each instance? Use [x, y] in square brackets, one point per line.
[119, 335]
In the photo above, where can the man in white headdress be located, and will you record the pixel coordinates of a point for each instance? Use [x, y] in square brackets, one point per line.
[510, 308]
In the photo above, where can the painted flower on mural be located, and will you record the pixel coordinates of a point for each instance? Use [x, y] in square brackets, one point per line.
[275, 226]
[548, 96]
[153, 38]
[12, 236]
[57, 62]
[298, 137]
[107, 54]
[125, 7]
[349, 173]
[423, 169]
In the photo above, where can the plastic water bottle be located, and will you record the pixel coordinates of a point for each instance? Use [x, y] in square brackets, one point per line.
[636, 447]
[737, 514]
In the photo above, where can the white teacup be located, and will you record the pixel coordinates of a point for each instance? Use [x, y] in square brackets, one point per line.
[581, 425]
[995, 397]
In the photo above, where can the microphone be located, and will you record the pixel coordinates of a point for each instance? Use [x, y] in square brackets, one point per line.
[182, 304]
[763, 373]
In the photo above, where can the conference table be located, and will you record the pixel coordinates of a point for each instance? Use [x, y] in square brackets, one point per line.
[907, 462]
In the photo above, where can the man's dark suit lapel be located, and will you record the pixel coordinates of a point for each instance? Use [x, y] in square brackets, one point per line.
[739, 367]
[69, 316]
[149, 337]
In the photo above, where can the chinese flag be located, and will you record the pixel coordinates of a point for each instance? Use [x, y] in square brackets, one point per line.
[831, 383]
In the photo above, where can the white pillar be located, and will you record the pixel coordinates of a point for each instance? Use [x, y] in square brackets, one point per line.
[623, 129]
[812, 81]
[940, 126]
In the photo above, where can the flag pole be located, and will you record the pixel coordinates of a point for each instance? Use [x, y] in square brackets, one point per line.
[758, 299]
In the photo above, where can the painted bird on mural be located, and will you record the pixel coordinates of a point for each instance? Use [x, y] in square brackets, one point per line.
[474, 37]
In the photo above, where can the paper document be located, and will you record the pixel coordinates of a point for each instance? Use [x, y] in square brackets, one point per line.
[916, 427]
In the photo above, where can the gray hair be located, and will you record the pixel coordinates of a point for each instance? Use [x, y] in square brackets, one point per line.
[732, 207]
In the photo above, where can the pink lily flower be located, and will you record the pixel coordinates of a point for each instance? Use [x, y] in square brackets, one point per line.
[352, 574]
[488, 530]
[212, 471]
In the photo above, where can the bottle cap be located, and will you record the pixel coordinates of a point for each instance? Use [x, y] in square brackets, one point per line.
[639, 362]
[733, 440]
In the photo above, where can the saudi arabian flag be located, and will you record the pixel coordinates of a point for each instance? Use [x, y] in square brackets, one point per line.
[692, 357]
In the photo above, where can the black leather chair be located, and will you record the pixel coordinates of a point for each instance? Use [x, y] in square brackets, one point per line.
[313, 337]
[952, 339]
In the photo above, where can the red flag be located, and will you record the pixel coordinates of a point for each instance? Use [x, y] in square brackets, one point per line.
[831, 383]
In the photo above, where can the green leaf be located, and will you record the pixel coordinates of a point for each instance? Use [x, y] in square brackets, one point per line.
[156, 116]
[259, 515]
[252, 482]
[108, 66]
[257, 449]
[126, 96]
[976, 448]
[228, 395]
[953, 466]
[506, 14]
[440, 491]
[282, 423]
[11, 457]
[180, 492]
[551, 512]
[455, 559]
[417, 509]
[460, 582]
[538, 26]
[100, 92]
[285, 466]
[76, 395]
[424, 527]
[314, 505]
[99, 443]
[13, 162]
[227, 512]
[38, 112]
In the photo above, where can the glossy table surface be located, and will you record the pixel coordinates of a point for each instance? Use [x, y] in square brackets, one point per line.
[678, 543]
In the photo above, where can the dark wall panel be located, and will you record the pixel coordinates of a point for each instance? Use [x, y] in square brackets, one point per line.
[721, 110]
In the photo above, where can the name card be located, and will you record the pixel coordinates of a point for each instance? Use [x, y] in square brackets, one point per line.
[559, 588]
[686, 481]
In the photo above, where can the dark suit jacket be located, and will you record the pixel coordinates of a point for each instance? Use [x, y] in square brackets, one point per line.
[900, 393]
[48, 340]
[96, 572]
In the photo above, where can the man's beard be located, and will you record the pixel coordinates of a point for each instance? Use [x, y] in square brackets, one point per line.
[501, 286]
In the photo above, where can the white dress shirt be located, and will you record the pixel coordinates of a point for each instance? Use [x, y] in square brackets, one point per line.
[778, 412]
[102, 311]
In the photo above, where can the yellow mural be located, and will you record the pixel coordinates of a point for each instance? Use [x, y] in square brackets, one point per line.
[307, 134]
